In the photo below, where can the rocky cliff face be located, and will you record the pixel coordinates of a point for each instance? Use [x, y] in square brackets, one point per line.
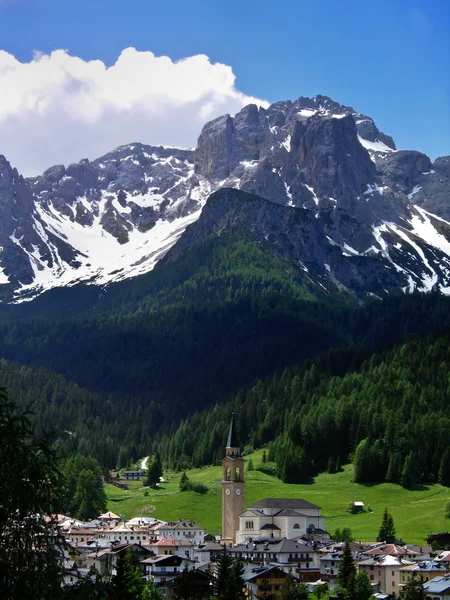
[96, 221]
[324, 164]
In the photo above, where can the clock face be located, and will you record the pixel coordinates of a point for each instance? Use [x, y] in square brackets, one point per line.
[227, 491]
[238, 492]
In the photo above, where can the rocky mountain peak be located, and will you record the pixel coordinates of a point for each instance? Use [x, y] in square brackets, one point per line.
[114, 217]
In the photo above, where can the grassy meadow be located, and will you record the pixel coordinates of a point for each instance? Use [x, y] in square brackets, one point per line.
[416, 513]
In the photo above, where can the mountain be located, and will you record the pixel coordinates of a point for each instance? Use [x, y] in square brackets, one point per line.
[377, 219]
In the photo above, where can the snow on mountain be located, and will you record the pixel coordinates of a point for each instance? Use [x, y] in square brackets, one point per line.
[115, 217]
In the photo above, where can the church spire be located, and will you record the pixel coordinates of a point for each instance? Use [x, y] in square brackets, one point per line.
[233, 441]
[232, 486]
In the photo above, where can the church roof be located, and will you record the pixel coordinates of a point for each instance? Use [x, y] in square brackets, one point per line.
[284, 503]
[289, 512]
[233, 441]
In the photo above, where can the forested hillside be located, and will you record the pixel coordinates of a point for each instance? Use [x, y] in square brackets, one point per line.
[390, 415]
[196, 332]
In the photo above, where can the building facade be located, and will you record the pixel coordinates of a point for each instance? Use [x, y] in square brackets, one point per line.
[279, 518]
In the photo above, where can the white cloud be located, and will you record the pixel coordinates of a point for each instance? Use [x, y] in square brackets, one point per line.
[59, 108]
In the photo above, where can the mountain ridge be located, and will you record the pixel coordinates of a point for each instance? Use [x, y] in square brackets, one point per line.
[115, 217]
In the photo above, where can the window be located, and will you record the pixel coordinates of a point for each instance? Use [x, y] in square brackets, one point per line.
[393, 573]
[228, 474]
[296, 526]
[237, 475]
[371, 578]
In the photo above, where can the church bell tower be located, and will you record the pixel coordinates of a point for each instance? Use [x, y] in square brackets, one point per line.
[232, 486]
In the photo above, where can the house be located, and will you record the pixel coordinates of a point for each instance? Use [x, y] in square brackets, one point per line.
[329, 565]
[357, 506]
[438, 588]
[444, 557]
[394, 550]
[167, 546]
[182, 530]
[191, 584]
[76, 535]
[123, 533]
[425, 571]
[104, 560]
[164, 569]
[109, 518]
[207, 552]
[384, 571]
[263, 581]
[290, 555]
[279, 518]
[133, 475]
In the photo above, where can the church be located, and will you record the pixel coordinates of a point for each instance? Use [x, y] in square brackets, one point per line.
[269, 518]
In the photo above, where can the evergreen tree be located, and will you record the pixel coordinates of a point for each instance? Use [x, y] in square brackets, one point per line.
[294, 465]
[289, 589]
[30, 491]
[127, 583]
[92, 586]
[184, 483]
[222, 580]
[394, 470]
[444, 469]
[387, 529]
[123, 458]
[347, 569]
[410, 477]
[343, 536]
[85, 493]
[154, 472]
[236, 589]
[229, 582]
[151, 591]
[447, 509]
[293, 590]
[90, 497]
[250, 466]
[363, 589]
[361, 462]
[320, 590]
[414, 590]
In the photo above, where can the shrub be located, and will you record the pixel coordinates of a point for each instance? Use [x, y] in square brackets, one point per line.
[269, 468]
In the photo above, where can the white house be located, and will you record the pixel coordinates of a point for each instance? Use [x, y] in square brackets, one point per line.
[182, 530]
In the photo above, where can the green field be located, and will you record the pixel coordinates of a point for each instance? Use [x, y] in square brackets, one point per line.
[416, 513]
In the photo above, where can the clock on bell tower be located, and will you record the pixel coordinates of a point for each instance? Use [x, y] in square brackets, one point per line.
[232, 486]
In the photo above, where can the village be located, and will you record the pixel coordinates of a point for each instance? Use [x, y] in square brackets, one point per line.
[273, 539]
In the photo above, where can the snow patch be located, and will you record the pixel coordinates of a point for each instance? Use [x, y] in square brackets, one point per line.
[314, 195]
[306, 112]
[376, 146]
[424, 228]
[287, 143]
[416, 189]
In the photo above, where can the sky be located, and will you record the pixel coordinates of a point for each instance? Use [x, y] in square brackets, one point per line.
[80, 77]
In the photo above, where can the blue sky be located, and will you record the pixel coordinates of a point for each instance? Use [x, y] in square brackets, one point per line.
[388, 59]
